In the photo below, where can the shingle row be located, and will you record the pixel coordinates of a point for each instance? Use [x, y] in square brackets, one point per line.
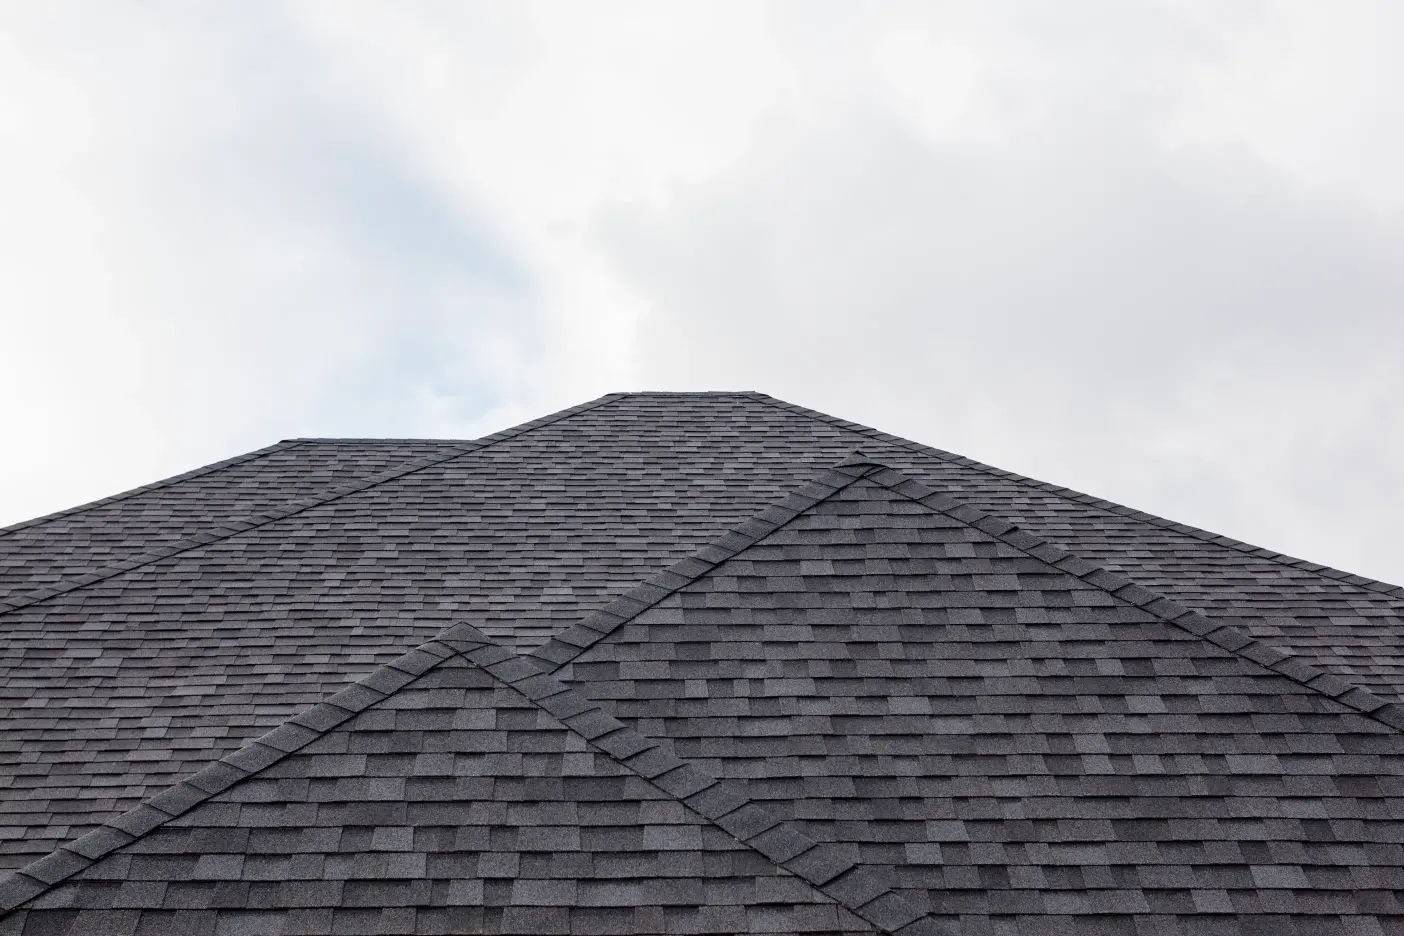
[1006, 737]
[443, 789]
[111, 690]
[1349, 624]
[43, 554]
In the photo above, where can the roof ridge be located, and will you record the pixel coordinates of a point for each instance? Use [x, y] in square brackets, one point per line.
[691, 393]
[857, 888]
[579, 637]
[1338, 576]
[364, 440]
[862, 890]
[193, 473]
[231, 528]
[1227, 636]
[566, 646]
[292, 735]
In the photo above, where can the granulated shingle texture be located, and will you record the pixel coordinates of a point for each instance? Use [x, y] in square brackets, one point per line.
[115, 687]
[453, 805]
[1019, 749]
[40, 554]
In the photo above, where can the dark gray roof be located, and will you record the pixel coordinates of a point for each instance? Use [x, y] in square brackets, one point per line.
[1007, 740]
[445, 800]
[988, 737]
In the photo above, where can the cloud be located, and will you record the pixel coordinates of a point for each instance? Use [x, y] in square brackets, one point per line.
[209, 248]
[1150, 251]
[1053, 276]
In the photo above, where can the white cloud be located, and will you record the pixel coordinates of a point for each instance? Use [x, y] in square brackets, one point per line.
[209, 248]
[1062, 281]
[1151, 251]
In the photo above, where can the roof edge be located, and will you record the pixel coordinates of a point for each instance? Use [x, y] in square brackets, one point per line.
[857, 888]
[568, 645]
[1359, 581]
[564, 647]
[37, 877]
[190, 475]
[1229, 637]
[861, 889]
[230, 528]
[366, 440]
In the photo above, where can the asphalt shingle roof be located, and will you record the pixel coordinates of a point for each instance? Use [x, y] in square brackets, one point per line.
[1014, 744]
[62, 547]
[983, 732]
[445, 801]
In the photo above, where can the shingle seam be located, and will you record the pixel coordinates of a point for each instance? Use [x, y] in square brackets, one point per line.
[230, 529]
[1226, 636]
[154, 486]
[719, 803]
[564, 647]
[1364, 584]
[36, 878]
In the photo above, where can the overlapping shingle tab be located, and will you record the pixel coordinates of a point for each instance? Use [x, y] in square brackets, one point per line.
[456, 789]
[984, 732]
[55, 550]
[1017, 747]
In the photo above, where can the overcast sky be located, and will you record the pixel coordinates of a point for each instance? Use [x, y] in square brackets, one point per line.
[1152, 251]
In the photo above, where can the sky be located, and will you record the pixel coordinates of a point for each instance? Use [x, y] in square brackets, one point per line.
[1153, 251]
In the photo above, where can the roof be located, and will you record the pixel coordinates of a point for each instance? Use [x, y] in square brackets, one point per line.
[987, 704]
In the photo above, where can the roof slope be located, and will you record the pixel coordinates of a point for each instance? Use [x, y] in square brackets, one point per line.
[177, 623]
[43, 552]
[1018, 748]
[446, 800]
[921, 716]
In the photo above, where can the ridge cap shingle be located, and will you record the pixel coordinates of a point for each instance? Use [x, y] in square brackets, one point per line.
[1363, 583]
[576, 639]
[368, 440]
[1229, 637]
[32, 880]
[227, 529]
[212, 468]
[861, 890]
[573, 642]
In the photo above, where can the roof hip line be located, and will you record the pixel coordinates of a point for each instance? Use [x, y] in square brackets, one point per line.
[155, 485]
[576, 639]
[863, 890]
[1226, 636]
[566, 646]
[1336, 575]
[858, 888]
[233, 528]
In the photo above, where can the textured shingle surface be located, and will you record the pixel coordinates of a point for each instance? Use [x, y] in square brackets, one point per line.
[1022, 750]
[35, 555]
[259, 588]
[453, 805]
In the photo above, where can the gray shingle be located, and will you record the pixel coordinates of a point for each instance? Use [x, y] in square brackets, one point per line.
[1107, 746]
[896, 682]
[536, 861]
